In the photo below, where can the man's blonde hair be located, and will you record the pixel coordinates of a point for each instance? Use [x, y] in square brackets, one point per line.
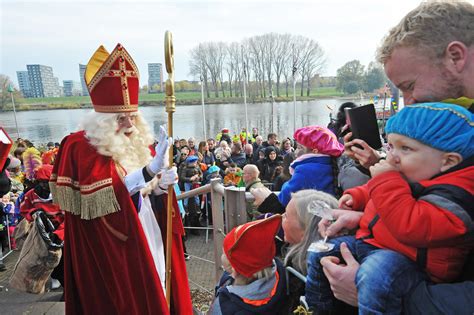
[430, 28]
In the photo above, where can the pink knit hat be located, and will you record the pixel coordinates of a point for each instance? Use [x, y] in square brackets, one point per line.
[320, 138]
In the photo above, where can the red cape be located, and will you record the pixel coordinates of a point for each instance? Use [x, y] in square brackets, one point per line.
[180, 293]
[107, 262]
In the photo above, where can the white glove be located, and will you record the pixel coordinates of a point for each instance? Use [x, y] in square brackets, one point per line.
[161, 159]
[135, 181]
[168, 177]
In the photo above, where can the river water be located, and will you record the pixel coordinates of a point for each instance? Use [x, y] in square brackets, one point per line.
[43, 126]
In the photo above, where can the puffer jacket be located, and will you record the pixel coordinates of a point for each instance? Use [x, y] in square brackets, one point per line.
[311, 171]
[431, 222]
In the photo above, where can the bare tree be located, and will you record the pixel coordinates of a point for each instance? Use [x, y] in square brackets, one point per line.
[221, 54]
[301, 45]
[245, 65]
[265, 59]
[5, 97]
[282, 53]
[234, 67]
[314, 62]
[256, 51]
[211, 60]
[269, 44]
[198, 68]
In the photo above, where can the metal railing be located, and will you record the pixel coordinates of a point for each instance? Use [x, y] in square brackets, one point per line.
[217, 206]
[229, 209]
[7, 227]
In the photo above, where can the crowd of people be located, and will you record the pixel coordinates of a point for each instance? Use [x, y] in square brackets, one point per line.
[371, 231]
[25, 190]
[399, 239]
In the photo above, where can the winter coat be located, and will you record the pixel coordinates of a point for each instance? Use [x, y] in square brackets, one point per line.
[263, 296]
[311, 171]
[208, 158]
[187, 171]
[240, 159]
[267, 166]
[256, 149]
[430, 222]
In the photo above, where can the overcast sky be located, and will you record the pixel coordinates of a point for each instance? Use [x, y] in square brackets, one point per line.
[64, 33]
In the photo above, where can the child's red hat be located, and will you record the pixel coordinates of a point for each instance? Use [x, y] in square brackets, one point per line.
[250, 247]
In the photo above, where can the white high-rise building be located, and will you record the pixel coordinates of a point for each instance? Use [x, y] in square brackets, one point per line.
[42, 81]
[82, 70]
[72, 88]
[24, 83]
[155, 78]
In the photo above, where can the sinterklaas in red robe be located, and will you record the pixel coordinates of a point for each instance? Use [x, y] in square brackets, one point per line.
[108, 265]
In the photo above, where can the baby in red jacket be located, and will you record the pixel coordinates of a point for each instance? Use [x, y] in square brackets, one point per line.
[417, 210]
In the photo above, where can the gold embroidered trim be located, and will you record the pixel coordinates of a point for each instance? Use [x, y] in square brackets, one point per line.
[116, 53]
[67, 180]
[116, 73]
[83, 188]
[52, 188]
[89, 206]
[124, 82]
[116, 108]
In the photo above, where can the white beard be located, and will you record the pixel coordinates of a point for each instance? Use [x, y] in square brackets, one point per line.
[130, 152]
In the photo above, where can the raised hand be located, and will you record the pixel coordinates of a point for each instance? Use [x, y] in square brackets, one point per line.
[366, 156]
[161, 160]
[168, 177]
[382, 167]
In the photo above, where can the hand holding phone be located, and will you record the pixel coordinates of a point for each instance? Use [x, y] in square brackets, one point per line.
[363, 123]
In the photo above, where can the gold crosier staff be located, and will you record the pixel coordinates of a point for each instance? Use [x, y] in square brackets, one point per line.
[170, 101]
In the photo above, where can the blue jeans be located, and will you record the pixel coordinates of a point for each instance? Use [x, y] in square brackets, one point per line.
[188, 187]
[382, 280]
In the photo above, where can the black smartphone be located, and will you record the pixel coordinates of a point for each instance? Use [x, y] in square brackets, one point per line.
[363, 123]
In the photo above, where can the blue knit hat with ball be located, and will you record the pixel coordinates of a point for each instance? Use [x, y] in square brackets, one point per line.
[446, 127]
[191, 159]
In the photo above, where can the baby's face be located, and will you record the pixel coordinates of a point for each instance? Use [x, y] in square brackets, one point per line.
[414, 160]
[232, 170]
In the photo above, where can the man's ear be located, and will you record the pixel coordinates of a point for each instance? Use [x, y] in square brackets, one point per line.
[456, 55]
[450, 159]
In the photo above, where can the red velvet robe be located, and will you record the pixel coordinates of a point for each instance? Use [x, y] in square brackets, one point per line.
[180, 293]
[108, 265]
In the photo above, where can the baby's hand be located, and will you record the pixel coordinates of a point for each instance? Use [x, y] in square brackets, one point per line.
[346, 202]
[382, 167]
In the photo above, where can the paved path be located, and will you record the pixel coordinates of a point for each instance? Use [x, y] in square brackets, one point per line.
[201, 275]
[16, 302]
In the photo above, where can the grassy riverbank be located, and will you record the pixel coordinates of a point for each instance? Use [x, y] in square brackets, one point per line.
[182, 98]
